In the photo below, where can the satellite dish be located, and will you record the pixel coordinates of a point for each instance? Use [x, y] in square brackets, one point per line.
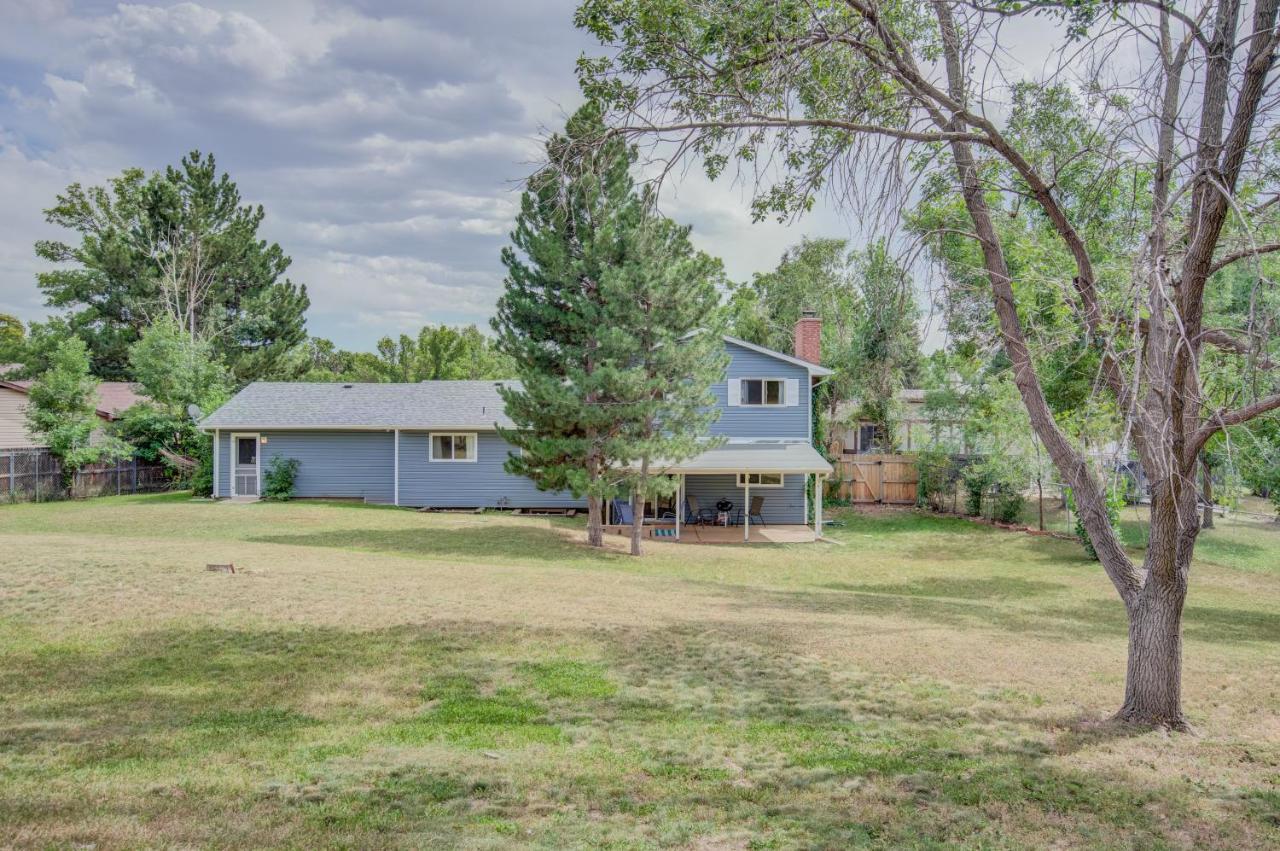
[193, 411]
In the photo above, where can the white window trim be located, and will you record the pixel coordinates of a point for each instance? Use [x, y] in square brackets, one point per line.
[782, 480]
[782, 392]
[235, 460]
[469, 435]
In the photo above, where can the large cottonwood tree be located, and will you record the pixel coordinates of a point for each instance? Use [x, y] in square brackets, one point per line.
[860, 96]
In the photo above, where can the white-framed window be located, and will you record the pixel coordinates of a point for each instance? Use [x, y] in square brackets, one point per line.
[453, 447]
[760, 480]
[764, 392]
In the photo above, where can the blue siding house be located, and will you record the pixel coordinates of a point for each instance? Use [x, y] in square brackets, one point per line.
[435, 443]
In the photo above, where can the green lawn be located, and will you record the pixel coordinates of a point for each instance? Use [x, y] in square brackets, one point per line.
[381, 678]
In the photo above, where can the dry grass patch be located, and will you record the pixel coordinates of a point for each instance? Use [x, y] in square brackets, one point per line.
[378, 678]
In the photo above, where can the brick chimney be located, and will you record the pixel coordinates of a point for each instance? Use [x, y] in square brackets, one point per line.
[809, 337]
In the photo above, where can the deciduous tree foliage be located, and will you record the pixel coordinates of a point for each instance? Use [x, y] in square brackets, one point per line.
[178, 244]
[13, 336]
[815, 275]
[438, 353]
[868, 311]
[853, 95]
[62, 410]
[175, 372]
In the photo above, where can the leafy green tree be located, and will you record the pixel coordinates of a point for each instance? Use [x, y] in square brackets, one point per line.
[857, 95]
[181, 244]
[869, 334]
[438, 353]
[885, 356]
[175, 372]
[62, 411]
[13, 339]
[576, 226]
[666, 355]
[815, 275]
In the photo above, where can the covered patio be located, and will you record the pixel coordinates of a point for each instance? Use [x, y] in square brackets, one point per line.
[696, 534]
[737, 493]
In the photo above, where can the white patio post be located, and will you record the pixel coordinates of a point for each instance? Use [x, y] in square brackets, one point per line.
[679, 504]
[396, 469]
[817, 507]
[746, 507]
[216, 441]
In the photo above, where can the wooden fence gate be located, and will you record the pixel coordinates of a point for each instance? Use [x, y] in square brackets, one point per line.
[889, 479]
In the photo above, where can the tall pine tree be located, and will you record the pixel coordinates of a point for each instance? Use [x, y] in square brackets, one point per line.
[659, 303]
[604, 315]
[575, 215]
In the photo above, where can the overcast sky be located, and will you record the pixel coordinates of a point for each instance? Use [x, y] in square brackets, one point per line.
[386, 138]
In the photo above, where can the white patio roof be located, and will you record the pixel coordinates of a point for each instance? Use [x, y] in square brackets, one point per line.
[795, 458]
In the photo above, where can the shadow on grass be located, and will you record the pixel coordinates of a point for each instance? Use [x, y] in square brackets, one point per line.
[995, 588]
[728, 723]
[876, 524]
[488, 541]
[958, 604]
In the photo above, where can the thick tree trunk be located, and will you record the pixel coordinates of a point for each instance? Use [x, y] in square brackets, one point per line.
[595, 522]
[1153, 683]
[637, 508]
[595, 508]
[1207, 491]
[637, 523]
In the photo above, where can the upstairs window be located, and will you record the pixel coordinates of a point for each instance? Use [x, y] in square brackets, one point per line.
[453, 447]
[763, 391]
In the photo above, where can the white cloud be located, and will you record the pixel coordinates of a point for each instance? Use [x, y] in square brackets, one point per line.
[385, 138]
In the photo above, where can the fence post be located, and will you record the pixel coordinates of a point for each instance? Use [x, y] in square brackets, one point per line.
[39, 455]
[135, 476]
[11, 491]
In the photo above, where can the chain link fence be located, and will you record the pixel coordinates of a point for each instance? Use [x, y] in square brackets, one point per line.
[34, 475]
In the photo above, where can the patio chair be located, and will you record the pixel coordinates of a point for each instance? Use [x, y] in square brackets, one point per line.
[694, 514]
[622, 515]
[755, 514]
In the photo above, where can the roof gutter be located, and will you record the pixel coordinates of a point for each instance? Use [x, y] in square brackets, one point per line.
[208, 426]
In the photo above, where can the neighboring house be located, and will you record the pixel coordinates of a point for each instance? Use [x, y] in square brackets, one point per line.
[435, 443]
[113, 398]
[862, 437]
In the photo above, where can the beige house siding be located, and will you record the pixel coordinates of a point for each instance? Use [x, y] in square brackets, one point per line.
[13, 420]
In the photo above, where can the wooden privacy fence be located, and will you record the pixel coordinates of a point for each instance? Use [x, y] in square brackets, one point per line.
[890, 479]
[34, 475]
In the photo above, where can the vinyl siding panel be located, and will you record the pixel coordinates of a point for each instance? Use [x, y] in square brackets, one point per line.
[13, 420]
[781, 505]
[222, 467]
[462, 484]
[339, 465]
[748, 422]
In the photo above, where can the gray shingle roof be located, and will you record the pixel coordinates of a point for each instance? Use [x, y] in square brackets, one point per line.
[773, 457]
[429, 404]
